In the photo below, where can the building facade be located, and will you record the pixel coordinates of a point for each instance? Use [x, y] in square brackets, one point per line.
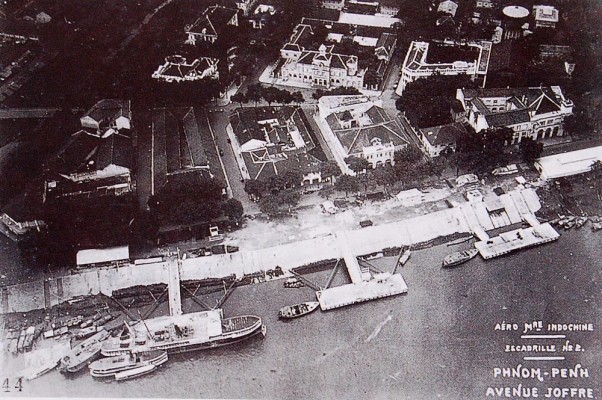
[536, 112]
[336, 59]
[417, 64]
[355, 126]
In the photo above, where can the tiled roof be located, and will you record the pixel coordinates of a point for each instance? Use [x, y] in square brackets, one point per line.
[246, 127]
[77, 152]
[108, 110]
[507, 118]
[213, 20]
[381, 126]
[443, 134]
[178, 145]
[114, 150]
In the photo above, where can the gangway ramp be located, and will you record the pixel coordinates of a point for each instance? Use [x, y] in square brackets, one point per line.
[353, 267]
[480, 233]
[173, 284]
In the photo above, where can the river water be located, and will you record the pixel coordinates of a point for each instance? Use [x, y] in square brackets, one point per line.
[436, 342]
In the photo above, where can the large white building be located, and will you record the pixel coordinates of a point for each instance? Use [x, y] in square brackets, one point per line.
[419, 63]
[536, 112]
[359, 127]
[328, 54]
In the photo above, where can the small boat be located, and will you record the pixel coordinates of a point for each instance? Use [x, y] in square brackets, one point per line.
[580, 221]
[297, 310]
[109, 366]
[293, 283]
[84, 333]
[405, 257]
[459, 257]
[21, 340]
[35, 372]
[105, 319]
[84, 353]
[74, 321]
[569, 224]
[135, 373]
[86, 323]
[29, 337]
[596, 226]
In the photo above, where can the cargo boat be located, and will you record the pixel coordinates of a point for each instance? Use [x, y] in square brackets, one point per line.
[83, 354]
[298, 310]
[182, 333]
[459, 257]
[109, 366]
[135, 373]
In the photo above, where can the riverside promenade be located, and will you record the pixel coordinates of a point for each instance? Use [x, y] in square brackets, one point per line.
[497, 212]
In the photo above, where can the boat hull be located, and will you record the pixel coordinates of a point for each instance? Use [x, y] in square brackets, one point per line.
[183, 347]
[100, 372]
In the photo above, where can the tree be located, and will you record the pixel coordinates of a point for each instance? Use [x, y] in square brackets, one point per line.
[233, 209]
[340, 91]
[240, 98]
[329, 169]
[254, 93]
[255, 188]
[347, 183]
[298, 98]
[271, 94]
[530, 149]
[357, 164]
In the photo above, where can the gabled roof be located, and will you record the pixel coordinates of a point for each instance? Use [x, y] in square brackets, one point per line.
[380, 126]
[114, 150]
[178, 145]
[213, 21]
[77, 152]
[544, 104]
[443, 134]
[507, 118]
[108, 110]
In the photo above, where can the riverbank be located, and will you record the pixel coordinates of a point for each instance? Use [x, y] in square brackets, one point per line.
[438, 341]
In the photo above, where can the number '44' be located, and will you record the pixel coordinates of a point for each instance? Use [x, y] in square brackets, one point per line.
[6, 386]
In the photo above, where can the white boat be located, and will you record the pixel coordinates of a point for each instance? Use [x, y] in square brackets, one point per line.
[180, 333]
[135, 373]
[109, 366]
[83, 354]
[83, 333]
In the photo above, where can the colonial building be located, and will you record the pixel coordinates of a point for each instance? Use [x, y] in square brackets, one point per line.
[386, 7]
[91, 165]
[329, 54]
[178, 146]
[271, 141]
[545, 16]
[357, 126]
[211, 24]
[444, 58]
[441, 139]
[536, 112]
[177, 69]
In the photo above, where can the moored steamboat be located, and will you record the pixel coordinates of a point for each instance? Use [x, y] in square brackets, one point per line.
[182, 333]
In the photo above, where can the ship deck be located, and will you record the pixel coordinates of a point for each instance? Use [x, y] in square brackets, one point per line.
[516, 240]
